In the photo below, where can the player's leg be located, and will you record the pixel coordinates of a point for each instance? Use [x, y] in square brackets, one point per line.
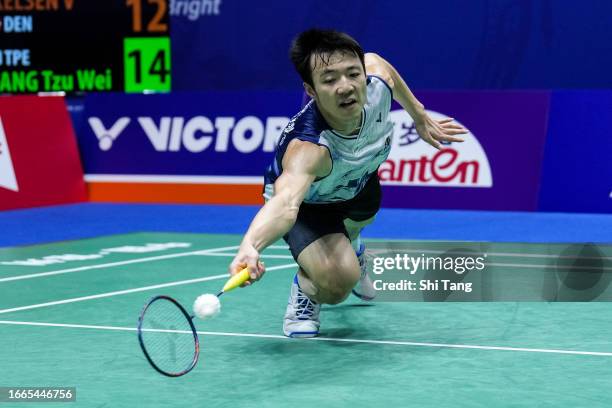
[364, 289]
[328, 269]
[353, 228]
[360, 212]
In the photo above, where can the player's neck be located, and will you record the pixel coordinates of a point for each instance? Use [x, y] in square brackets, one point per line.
[345, 128]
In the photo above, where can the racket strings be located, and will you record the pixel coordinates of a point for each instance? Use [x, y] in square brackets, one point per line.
[167, 337]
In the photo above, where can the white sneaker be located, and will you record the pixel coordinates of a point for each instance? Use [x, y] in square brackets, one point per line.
[302, 314]
[364, 289]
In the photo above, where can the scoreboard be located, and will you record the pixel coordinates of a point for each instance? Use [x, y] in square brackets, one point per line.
[79, 46]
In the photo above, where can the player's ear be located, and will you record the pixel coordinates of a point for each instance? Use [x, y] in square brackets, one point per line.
[309, 90]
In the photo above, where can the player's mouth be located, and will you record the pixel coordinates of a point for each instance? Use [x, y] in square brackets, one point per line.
[348, 103]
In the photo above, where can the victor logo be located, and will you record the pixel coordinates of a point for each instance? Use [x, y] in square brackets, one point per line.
[105, 136]
[196, 134]
[7, 172]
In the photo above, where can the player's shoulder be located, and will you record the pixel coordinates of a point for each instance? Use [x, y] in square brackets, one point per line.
[378, 86]
[302, 145]
[380, 99]
[308, 124]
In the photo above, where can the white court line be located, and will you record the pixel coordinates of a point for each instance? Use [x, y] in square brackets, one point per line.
[134, 290]
[577, 267]
[213, 250]
[120, 263]
[525, 266]
[263, 256]
[325, 339]
[506, 254]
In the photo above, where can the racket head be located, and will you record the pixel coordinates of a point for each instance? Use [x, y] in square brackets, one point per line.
[168, 337]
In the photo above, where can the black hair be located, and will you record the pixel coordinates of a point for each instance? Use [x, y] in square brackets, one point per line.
[321, 43]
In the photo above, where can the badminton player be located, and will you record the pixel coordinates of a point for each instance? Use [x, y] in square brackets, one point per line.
[322, 187]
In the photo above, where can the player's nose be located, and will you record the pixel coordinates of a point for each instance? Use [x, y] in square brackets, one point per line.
[345, 87]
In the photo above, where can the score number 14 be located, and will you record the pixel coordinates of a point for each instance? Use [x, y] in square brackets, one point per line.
[147, 64]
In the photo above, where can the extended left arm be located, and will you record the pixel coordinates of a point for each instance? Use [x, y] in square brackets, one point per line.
[429, 130]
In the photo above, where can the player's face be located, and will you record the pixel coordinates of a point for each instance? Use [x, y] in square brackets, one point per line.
[339, 87]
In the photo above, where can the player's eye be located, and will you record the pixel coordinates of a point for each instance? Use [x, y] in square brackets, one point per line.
[355, 74]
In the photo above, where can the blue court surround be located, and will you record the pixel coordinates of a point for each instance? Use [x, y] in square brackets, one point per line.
[78, 221]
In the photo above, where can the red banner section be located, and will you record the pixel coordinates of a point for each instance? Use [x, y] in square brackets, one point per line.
[39, 159]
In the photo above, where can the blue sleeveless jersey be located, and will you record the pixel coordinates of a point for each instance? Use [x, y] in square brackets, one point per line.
[354, 158]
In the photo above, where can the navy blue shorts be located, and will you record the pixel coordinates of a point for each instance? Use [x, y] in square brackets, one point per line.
[317, 220]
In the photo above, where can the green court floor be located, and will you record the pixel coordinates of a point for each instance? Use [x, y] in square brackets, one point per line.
[68, 313]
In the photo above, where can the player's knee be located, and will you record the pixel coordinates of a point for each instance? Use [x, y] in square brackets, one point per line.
[335, 296]
[332, 294]
[338, 283]
[344, 273]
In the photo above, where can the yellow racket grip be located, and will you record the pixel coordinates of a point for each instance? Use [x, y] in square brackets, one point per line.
[236, 280]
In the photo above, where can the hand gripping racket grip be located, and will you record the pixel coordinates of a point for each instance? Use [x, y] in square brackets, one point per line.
[236, 280]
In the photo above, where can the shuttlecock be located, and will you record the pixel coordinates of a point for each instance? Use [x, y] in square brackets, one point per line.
[206, 306]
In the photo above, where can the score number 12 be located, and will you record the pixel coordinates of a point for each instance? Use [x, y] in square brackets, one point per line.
[155, 25]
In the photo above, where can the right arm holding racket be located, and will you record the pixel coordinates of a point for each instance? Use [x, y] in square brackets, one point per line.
[166, 331]
[302, 163]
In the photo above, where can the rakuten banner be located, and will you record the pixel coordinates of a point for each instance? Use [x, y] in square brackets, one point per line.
[497, 167]
[39, 161]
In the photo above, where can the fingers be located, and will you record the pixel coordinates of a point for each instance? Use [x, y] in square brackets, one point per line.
[426, 136]
[262, 269]
[425, 132]
[454, 126]
[443, 130]
[432, 142]
[447, 136]
[247, 257]
[256, 272]
[252, 274]
[236, 267]
[455, 132]
[451, 139]
[447, 133]
[449, 123]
